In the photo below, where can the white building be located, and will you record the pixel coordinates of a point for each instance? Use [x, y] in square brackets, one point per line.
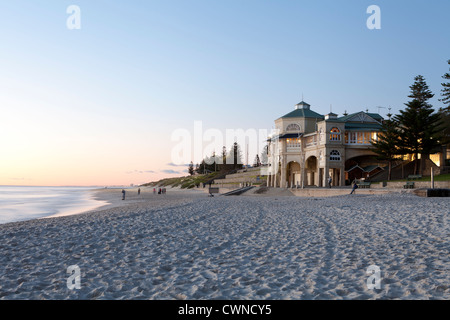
[310, 147]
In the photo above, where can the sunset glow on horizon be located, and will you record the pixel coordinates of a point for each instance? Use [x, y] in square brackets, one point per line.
[97, 106]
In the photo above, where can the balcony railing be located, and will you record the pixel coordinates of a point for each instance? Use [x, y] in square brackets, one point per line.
[360, 138]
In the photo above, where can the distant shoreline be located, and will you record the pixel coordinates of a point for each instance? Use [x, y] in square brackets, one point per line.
[22, 203]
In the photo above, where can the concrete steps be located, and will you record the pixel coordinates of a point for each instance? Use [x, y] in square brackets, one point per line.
[238, 192]
[242, 177]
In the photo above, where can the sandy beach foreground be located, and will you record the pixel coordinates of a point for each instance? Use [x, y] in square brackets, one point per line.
[185, 245]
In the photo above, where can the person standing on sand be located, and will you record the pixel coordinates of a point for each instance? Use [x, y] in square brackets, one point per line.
[139, 191]
[329, 182]
[355, 186]
[123, 194]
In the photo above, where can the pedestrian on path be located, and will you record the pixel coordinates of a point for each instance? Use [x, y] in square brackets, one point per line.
[355, 186]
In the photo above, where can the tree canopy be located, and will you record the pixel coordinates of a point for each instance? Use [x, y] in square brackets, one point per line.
[419, 124]
[387, 145]
[445, 92]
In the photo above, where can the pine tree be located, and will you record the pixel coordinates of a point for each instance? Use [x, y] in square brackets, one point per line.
[201, 167]
[237, 160]
[215, 158]
[191, 169]
[445, 93]
[222, 161]
[235, 157]
[387, 144]
[420, 90]
[419, 124]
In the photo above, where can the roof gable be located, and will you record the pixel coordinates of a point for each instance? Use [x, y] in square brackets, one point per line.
[376, 116]
[361, 117]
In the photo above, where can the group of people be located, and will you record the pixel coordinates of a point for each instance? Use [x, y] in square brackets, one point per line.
[160, 191]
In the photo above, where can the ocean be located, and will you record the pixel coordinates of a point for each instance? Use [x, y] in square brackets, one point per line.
[19, 203]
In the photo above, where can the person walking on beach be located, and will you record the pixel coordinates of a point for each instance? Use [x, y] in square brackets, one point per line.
[329, 182]
[123, 194]
[139, 191]
[355, 186]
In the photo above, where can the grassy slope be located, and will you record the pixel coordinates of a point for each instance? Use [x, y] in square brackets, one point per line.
[186, 182]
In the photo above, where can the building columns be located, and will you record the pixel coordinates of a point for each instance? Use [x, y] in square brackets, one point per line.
[283, 173]
[342, 182]
[316, 177]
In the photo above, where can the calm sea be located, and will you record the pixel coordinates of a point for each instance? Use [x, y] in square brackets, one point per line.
[26, 203]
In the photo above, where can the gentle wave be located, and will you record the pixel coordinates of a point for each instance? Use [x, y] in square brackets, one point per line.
[19, 203]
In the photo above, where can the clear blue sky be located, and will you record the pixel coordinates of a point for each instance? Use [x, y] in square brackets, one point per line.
[137, 70]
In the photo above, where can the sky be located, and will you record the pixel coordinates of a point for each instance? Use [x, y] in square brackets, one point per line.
[100, 104]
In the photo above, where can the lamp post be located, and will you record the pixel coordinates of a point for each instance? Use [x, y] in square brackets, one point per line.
[432, 178]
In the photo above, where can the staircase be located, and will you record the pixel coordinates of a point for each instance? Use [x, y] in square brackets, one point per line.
[222, 176]
[238, 192]
[239, 178]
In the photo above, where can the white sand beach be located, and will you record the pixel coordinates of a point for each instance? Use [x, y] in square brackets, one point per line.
[185, 245]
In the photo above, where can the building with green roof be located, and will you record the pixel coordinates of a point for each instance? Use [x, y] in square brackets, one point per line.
[310, 148]
[302, 110]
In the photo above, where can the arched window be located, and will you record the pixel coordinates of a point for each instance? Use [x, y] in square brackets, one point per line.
[335, 155]
[335, 134]
[293, 127]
